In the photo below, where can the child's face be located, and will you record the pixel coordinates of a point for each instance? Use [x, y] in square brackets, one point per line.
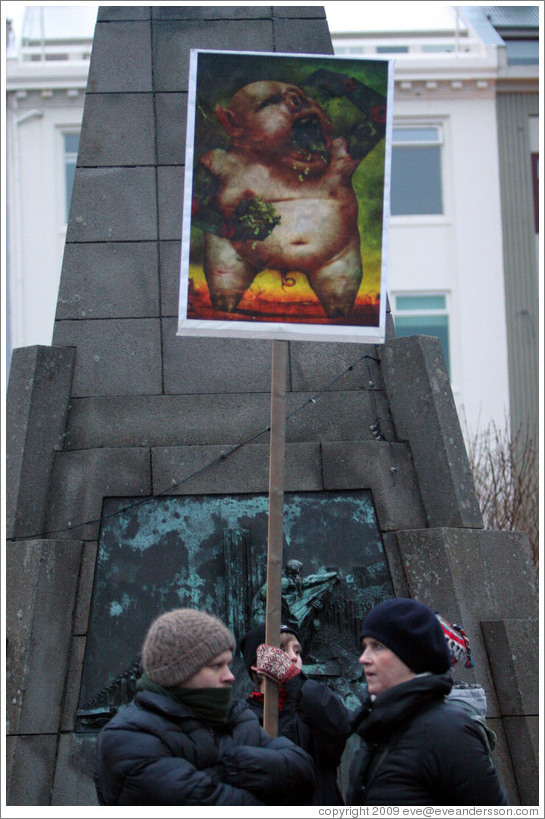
[277, 121]
[291, 645]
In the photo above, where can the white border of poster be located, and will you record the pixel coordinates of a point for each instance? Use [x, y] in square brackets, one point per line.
[242, 323]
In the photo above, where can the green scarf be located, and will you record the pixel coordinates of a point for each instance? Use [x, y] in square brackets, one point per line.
[211, 705]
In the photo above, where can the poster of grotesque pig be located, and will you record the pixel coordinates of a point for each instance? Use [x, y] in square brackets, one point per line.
[286, 197]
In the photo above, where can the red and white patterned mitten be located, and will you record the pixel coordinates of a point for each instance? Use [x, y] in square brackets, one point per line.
[274, 663]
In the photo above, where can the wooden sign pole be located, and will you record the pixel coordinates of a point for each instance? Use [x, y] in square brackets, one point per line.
[273, 611]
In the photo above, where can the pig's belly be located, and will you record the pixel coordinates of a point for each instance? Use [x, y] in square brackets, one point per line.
[310, 233]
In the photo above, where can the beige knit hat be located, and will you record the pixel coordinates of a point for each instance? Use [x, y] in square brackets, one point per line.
[180, 642]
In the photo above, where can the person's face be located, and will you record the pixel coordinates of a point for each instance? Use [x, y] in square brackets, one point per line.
[265, 113]
[216, 674]
[383, 669]
[291, 645]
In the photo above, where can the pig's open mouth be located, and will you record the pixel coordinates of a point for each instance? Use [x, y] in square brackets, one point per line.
[308, 143]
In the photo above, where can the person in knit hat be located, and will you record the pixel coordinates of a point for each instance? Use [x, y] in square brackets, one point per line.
[457, 642]
[471, 697]
[183, 740]
[310, 713]
[417, 748]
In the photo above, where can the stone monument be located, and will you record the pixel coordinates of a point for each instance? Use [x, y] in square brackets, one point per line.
[138, 459]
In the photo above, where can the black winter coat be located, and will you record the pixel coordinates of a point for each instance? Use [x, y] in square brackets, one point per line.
[418, 749]
[156, 752]
[314, 717]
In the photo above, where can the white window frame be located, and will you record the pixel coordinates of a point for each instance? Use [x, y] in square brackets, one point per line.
[446, 311]
[442, 124]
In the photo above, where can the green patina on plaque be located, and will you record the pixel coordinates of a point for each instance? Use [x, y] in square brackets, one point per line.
[210, 552]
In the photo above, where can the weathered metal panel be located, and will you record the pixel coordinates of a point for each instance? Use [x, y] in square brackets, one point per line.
[520, 254]
[210, 553]
[513, 17]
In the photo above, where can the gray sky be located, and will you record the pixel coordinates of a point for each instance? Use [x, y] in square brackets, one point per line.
[387, 16]
[341, 16]
[352, 15]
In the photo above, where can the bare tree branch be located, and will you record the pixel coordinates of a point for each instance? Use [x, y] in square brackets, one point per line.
[505, 473]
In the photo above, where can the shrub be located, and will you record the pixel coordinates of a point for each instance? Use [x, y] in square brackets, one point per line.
[505, 473]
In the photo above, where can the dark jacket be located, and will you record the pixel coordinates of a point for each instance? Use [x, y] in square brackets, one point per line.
[314, 717]
[156, 752]
[418, 749]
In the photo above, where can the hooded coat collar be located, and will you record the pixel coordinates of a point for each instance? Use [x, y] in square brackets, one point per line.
[395, 706]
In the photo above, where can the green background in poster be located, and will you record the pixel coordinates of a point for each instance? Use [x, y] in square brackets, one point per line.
[221, 74]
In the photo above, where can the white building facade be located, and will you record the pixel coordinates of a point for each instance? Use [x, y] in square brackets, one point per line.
[445, 250]
[451, 260]
[445, 258]
[46, 77]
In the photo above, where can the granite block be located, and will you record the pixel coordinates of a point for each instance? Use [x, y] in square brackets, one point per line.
[123, 13]
[22, 572]
[501, 757]
[73, 784]
[523, 738]
[211, 418]
[425, 416]
[171, 115]
[395, 564]
[333, 416]
[166, 420]
[121, 56]
[170, 187]
[302, 12]
[227, 469]
[305, 36]
[37, 401]
[316, 365]
[513, 651]
[42, 578]
[85, 588]
[109, 280]
[169, 267]
[472, 576]
[384, 468]
[81, 480]
[30, 770]
[173, 40]
[506, 583]
[114, 357]
[117, 130]
[206, 12]
[73, 683]
[207, 365]
[113, 205]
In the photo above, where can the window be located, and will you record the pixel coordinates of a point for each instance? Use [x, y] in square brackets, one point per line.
[522, 52]
[392, 49]
[437, 49]
[416, 186]
[71, 143]
[423, 315]
[348, 49]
